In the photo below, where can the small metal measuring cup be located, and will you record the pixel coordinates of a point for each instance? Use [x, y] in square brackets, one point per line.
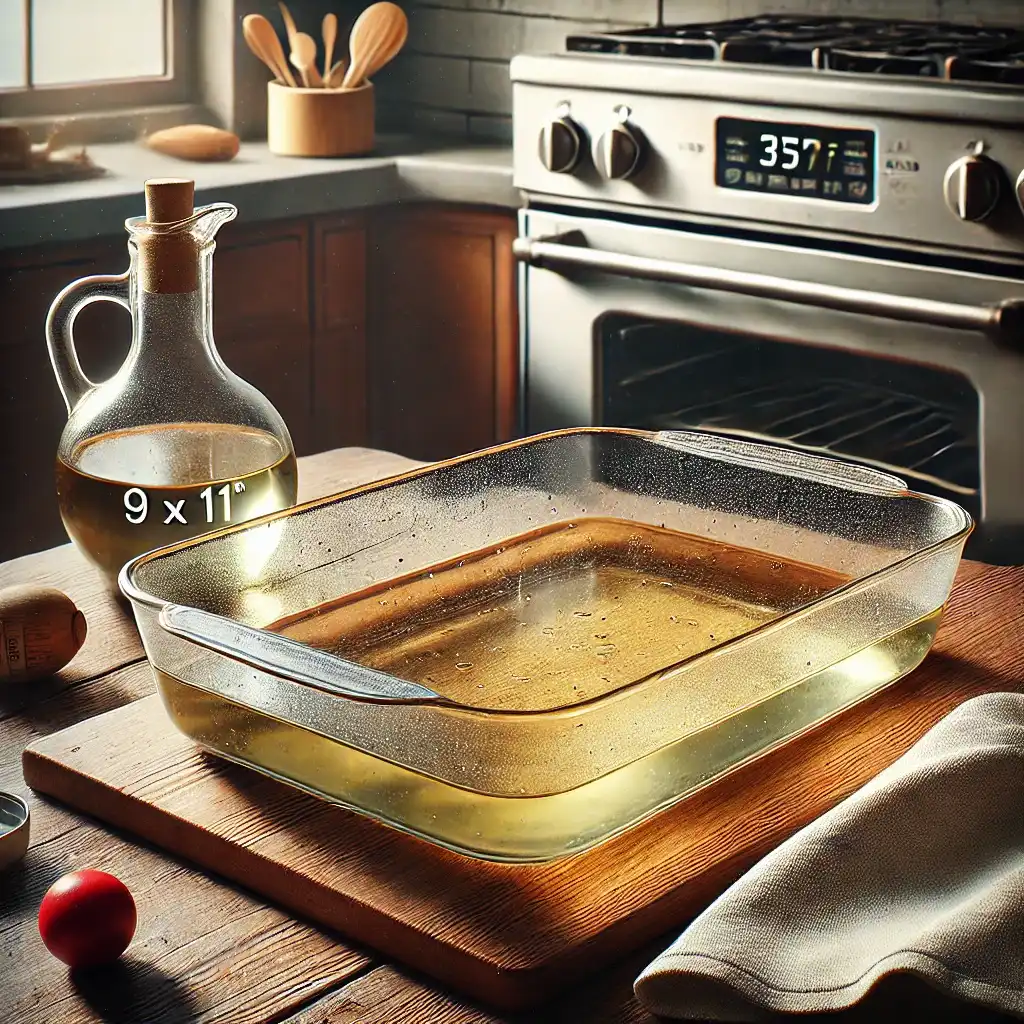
[14, 825]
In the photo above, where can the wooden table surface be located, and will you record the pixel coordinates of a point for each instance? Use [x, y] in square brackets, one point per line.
[206, 951]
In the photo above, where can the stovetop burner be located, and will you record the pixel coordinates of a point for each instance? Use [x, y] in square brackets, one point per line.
[966, 53]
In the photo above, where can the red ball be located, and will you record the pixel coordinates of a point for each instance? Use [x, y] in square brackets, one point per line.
[87, 918]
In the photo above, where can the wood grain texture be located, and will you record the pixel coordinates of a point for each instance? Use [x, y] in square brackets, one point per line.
[443, 353]
[340, 375]
[506, 332]
[113, 641]
[263, 316]
[320, 122]
[204, 951]
[32, 412]
[290, 311]
[515, 935]
[387, 995]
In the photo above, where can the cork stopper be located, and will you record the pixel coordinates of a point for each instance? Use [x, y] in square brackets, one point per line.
[168, 263]
[169, 199]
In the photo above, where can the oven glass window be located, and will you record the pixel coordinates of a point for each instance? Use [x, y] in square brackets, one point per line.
[918, 422]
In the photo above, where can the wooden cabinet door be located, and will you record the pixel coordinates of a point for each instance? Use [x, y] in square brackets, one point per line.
[32, 412]
[340, 381]
[443, 349]
[262, 312]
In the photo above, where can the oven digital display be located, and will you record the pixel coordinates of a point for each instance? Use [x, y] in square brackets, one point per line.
[834, 164]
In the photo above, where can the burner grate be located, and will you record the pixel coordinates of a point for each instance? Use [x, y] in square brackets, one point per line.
[853, 45]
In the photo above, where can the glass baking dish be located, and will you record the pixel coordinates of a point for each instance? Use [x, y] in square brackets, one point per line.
[521, 652]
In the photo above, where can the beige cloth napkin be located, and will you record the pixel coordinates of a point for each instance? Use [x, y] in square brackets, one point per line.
[921, 872]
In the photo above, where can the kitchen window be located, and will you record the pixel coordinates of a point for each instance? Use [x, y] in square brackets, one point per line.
[61, 57]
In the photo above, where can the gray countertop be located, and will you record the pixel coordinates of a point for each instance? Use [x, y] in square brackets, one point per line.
[261, 185]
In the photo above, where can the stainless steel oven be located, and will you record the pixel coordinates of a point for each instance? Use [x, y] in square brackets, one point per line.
[887, 329]
[865, 358]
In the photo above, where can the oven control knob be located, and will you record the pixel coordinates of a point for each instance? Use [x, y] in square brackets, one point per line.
[560, 144]
[617, 153]
[973, 184]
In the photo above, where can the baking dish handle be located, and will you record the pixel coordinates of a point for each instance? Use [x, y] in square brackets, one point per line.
[288, 659]
[776, 459]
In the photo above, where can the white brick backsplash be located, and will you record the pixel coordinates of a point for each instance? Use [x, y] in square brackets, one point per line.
[455, 72]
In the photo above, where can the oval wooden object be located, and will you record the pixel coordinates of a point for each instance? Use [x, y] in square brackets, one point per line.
[41, 630]
[319, 122]
[200, 142]
[329, 31]
[377, 36]
[257, 28]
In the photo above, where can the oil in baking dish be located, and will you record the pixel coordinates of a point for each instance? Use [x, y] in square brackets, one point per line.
[547, 620]
[125, 492]
[561, 614]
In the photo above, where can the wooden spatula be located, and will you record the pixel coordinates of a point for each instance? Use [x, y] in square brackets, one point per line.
[378, 34]
[256, 27]
[289, 25]
[303, 58]
[334, 78]
[257, 50]
[329, 30]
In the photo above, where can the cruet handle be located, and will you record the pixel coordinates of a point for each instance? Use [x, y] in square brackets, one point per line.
[60, 321]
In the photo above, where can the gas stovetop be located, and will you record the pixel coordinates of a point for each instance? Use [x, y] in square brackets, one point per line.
[910, 133]
[867, 46]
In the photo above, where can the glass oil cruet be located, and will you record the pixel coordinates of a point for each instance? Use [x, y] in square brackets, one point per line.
[173, 444]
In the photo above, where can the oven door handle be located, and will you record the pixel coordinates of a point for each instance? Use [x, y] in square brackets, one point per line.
[1003, 321]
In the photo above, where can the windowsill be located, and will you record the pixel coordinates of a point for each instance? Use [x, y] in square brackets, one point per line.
[261, 185]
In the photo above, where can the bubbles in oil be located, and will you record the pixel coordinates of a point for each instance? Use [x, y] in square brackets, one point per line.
[555, 617]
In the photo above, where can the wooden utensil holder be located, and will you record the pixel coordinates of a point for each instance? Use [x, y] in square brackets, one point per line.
[320, 122]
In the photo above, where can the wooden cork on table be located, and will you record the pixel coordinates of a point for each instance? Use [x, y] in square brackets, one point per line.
[168, 260]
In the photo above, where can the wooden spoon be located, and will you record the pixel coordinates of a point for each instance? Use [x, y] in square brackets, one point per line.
[266, 39]
[257, 50]
[329, 29]
[378, 34]
[289, 25]
[336, 75]
[303, 58]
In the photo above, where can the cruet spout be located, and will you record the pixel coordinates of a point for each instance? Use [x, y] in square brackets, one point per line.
[208, 220]
[171, 220]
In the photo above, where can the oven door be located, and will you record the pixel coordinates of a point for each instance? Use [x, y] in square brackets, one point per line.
[912, 368]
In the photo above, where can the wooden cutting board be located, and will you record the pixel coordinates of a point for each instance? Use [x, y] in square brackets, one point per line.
[514, 935]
